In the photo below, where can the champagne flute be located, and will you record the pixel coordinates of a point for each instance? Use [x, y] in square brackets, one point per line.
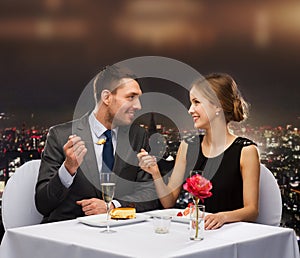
[108, 185]
[196, 172]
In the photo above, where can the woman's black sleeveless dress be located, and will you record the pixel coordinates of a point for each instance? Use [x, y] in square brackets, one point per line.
[224, 173]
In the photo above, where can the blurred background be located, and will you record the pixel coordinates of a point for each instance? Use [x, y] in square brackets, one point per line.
[51, 49]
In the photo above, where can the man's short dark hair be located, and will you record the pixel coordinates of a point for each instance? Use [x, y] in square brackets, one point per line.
[109, 78]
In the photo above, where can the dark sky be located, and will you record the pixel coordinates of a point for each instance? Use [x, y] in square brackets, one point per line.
[50, 50]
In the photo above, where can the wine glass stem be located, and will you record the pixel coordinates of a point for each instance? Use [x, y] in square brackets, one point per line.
[107, 215]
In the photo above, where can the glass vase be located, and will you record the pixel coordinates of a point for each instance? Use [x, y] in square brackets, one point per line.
[197, 213]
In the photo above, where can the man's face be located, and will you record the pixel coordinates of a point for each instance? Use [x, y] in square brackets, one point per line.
[125, 102]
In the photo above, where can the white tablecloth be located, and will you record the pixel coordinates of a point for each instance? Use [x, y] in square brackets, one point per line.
[75, 240]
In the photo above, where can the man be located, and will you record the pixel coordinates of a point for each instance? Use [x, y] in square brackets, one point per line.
[68, 184]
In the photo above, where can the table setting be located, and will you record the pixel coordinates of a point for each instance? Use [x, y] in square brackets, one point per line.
[159, 233]
[76, 239]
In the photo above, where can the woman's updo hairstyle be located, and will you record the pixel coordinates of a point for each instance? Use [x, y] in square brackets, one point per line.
[228, 96]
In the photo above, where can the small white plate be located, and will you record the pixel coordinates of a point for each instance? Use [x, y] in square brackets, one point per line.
[169, 212]
[101, 221]
[181, 219]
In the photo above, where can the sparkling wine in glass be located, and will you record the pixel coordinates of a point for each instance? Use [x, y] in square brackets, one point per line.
[108, 185]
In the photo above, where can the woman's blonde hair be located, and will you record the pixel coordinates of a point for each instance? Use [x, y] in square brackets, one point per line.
[222, 90]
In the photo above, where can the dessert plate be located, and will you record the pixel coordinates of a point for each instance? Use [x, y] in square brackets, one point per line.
[170, 212]
[100, 220]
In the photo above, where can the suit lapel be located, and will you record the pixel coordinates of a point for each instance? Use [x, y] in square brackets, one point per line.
[125, 156]
[89, 165]
[119, 158]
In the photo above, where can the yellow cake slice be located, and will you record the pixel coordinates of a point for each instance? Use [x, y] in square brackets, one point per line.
[123, 213]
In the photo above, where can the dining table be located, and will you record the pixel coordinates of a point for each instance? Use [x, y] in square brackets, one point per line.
[82, 238]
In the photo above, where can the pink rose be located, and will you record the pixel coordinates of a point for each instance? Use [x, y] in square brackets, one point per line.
[198, 186]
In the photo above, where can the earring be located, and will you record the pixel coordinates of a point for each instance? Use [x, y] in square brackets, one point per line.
[217, 113]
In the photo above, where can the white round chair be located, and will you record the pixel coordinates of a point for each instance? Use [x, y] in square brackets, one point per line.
[270, 202]
[18, 206]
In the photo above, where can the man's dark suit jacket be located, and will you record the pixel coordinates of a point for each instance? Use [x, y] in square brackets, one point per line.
[134, 187]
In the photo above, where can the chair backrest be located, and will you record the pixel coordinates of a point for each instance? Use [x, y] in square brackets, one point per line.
[270, 203]
[18, 206]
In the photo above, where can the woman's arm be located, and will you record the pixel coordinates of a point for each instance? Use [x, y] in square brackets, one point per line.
[169, 193]
[250, 169]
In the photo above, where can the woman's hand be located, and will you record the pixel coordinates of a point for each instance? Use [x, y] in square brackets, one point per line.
[214, 221]
[148, 163]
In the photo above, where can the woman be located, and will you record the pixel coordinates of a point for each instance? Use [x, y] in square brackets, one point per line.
[230, 162]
